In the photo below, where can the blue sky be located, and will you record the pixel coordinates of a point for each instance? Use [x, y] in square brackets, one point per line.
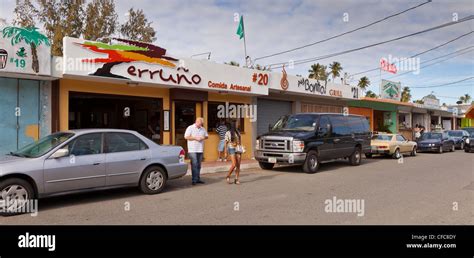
[186, 27]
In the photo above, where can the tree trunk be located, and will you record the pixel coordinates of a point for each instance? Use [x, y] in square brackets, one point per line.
[105, 71]
[34, 53]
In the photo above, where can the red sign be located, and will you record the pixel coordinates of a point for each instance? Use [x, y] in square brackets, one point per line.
[386, 66]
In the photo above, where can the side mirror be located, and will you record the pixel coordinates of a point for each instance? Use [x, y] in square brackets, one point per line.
[60, 153]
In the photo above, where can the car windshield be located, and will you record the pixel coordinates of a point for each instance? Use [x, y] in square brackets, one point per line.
[455, 133]
[43, 146]
[382, 137]
[296, 123]
[431, 136]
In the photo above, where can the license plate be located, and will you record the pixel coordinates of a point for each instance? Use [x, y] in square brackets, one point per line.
[272, 160]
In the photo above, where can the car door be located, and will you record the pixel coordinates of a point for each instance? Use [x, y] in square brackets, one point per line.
[403, 143]
[341, 137]
[83, 168]
[324, 135]
[126, 157]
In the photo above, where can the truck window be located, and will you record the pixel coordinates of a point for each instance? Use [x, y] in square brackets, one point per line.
[355, 125]
[339, 126]
[324, 126]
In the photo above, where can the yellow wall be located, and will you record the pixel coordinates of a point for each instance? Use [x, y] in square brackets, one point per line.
[210, 147]
[67, 85]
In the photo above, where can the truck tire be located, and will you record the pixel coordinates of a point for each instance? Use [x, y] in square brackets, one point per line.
[311, 164]
[356, 158]
[266, 165]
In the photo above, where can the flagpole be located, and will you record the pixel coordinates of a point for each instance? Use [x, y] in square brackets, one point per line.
[245, 44]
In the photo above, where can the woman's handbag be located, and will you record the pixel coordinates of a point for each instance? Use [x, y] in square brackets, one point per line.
[240, 148]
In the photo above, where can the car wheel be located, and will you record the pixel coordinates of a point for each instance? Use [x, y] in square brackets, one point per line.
[15, 194]
[153, 180]
[440, 149]
[311, 164]
[368, 155]
[356, 157]
[413, 152]
[266, 166]
[397, 154]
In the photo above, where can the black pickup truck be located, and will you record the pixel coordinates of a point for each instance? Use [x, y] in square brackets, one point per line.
[311, 138]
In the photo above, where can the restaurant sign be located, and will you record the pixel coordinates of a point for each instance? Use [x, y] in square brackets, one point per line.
[143, 62]
[390, 90]
[25, 51]
[310, 87]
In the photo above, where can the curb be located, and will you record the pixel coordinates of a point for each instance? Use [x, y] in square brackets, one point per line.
[225, 168]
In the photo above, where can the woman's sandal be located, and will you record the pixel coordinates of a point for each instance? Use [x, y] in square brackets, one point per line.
[236, 181]
[228, 180]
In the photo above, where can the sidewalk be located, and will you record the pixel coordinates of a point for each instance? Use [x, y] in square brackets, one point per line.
[218, 166]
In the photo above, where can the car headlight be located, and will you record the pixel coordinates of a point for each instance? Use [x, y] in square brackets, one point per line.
[298, 146]
[467, 140]
[257, 144]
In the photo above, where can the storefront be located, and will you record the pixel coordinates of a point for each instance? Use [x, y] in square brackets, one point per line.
[136, 86]
[405, 126]
[25, 86]
[383, 113]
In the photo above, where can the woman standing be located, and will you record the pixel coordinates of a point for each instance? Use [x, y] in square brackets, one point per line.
[232, 141]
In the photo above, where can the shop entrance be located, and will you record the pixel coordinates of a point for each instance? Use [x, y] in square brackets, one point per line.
[184, 116]
[140, 114]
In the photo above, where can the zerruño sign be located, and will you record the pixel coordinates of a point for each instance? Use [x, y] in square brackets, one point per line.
[146, 63]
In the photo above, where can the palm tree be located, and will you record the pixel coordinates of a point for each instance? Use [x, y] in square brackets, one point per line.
[31, 36]
[465, 99]
[371, 94]
[315, 71]
[364, 82]
[406, 95]
[336, 69]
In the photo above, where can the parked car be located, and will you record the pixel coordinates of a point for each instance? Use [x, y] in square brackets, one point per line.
[85, 160]
[312, 138]
[469, 146]
[459, 137]
[391, 145]
[470, 130]
[435, 142]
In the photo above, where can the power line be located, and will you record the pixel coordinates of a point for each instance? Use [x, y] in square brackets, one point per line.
[302, 61]
[418, 54]
[444, 84]
[345, 33]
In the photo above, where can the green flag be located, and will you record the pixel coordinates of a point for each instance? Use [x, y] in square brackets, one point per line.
[240, 29]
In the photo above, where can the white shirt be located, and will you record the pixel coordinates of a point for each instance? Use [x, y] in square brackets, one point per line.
[195, 146]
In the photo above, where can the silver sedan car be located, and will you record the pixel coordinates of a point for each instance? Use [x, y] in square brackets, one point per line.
[84, 160]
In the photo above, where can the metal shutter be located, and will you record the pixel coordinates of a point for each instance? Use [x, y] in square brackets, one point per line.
[269, 111]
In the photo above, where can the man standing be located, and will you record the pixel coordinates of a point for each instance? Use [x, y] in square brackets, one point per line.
[221, 130]
[195, 135]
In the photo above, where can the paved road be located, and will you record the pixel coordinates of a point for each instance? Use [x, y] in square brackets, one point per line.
[421, 190]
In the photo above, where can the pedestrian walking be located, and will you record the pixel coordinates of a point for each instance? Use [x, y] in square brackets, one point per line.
[234, 150]
[195, 135]
[221, 130]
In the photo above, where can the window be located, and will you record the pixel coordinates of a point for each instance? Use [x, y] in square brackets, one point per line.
[120, 142]
[88, 144]
[324, 127]
[382, 137]
[43, 146]
[213, 116]
[339, 126]
[356, 125]
[400, 138]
